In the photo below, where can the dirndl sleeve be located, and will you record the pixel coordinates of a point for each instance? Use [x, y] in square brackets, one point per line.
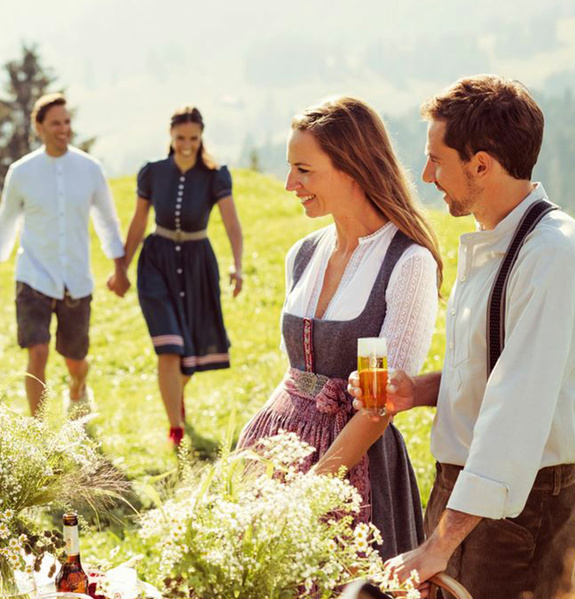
[222, 184]
[145, 182]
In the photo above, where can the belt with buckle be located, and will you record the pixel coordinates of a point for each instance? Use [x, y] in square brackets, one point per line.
[179, 236]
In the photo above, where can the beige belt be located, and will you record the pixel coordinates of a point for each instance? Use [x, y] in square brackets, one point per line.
[180, 235]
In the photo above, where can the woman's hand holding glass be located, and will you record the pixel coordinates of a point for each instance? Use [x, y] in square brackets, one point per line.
[400, 392]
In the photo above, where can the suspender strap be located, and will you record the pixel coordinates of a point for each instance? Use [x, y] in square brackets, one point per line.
[497, 297]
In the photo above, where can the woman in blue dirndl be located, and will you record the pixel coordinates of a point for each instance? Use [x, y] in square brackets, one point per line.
[178, 276]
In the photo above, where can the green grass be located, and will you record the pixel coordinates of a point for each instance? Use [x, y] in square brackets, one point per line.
[131, 423]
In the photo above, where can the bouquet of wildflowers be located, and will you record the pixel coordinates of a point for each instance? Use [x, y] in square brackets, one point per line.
[44, 464]
[253, 525]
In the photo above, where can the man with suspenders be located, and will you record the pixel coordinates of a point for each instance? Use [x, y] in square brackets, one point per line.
[501, 516]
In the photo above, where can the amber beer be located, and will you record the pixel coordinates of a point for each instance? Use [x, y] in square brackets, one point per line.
[372, 369]
[72, 578]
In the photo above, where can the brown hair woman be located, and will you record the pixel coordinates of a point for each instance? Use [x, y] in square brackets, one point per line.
[372, 273]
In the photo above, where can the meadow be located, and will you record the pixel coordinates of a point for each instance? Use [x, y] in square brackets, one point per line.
[130, 422]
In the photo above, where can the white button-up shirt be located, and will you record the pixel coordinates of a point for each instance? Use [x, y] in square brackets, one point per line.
[505, 428]
[54, 197]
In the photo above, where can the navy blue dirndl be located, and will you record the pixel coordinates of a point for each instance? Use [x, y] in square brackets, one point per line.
[178, 281]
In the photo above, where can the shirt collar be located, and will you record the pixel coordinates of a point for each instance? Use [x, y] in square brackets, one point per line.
[510, 222]
[508, 225]
[376, 234]
[43, 150]
[367, 238]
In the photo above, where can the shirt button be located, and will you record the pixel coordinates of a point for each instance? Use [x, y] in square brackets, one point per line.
[180, 186]
[452, 311]
[178, 248]
[451, 346]
[463, 278]
[182, 178]
[177, 213]
[182, 294]
[180, 271]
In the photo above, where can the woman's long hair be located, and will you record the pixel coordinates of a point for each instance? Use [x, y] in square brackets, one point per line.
[354, 137]
[190, 114]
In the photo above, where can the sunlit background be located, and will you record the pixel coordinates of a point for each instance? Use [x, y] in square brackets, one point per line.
[250, 65]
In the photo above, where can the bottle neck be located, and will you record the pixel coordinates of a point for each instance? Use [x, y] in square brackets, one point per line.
[72, 540]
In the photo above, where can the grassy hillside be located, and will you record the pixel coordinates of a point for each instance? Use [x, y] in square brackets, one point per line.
[131, 423]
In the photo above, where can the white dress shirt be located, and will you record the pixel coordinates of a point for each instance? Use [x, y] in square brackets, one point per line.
[53, 197]
[504, 429]
[411, 295]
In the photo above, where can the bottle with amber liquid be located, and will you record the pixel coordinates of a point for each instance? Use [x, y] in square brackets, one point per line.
[72, 578]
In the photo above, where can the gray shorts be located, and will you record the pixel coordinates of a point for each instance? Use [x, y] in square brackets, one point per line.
[34, 313]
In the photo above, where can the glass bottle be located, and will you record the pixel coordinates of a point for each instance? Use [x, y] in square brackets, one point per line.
[72, 577]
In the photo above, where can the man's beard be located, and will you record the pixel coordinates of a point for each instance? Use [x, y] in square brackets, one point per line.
[460, 207]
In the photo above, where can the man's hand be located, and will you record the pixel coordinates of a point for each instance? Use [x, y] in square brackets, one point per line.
[432, 556]
[426, 559]
[119, 282]
[400, 392]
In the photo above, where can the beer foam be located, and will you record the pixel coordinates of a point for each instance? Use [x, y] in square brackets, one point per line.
[372, 346]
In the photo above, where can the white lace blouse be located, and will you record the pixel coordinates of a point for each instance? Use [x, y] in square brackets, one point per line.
[411, 295]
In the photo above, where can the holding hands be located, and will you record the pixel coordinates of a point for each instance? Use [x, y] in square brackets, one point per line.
[119, 282]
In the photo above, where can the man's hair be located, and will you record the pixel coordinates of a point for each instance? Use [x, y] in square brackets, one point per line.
[43, 105]
[491, 114]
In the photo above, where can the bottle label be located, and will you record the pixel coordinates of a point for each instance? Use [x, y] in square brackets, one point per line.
[72, 540]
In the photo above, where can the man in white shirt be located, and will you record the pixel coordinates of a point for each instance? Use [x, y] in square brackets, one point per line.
[501, 516]
[51, 192]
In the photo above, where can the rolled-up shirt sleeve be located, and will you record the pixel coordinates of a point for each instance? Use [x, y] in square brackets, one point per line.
[520, 404]
[11, 210]
[105, 218]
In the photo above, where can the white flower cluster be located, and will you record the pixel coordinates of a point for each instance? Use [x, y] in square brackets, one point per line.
[43, 463]
[285, 450]
[11, 543]
[40, 460]
[268, 531]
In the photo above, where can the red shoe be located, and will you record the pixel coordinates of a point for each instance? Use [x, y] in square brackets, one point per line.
[176, 435]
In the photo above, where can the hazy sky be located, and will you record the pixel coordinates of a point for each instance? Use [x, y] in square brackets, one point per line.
[126, 64]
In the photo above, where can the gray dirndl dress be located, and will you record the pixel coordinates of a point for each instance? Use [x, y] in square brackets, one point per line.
[312, 401]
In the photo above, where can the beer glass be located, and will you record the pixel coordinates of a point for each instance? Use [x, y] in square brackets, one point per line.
[372, 369]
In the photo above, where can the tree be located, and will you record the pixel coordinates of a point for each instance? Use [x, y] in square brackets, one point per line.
[27, 80]
[254, 161]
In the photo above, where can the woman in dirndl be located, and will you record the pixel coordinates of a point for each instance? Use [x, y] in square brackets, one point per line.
[178, 276]
[374, 272]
